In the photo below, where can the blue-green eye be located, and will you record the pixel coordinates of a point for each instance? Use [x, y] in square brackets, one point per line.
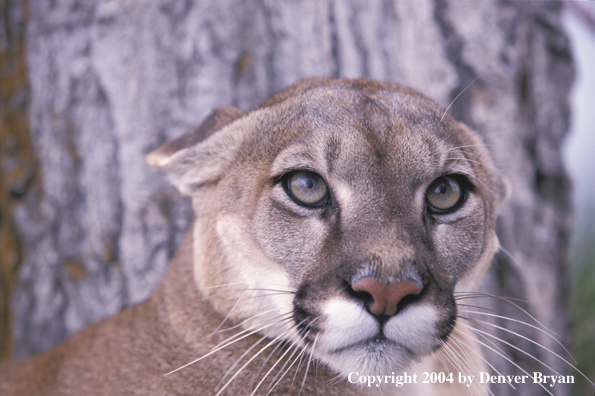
[307, 188]
[444, 195]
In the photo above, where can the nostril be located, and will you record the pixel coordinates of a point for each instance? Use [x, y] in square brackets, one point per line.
[364, 296]
[383, 298]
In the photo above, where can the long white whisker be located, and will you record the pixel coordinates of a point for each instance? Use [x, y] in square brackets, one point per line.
[466, 358]
[335, 380]
[538, 344]
[457, 359]
[223, 346]
[467, 145]
[230, 369]
[458, 340]
[468, 294]
[238, 360]
[546, 332]
[273, 292]
[504, 356]
[514, 261]
[308, 365]
[515, 347]
[477, 307]
[274, 382]
[508, 300]
[276, 339]
[454, 358]
[299, 366]
[477, 162]
[218, 286]
[276, 379]
[285, 317]
[281, 344]
[229, 313]
[455, 99]
[439, 354]
[479, 180]
[287, 371]
[244, 321]
[294, 347]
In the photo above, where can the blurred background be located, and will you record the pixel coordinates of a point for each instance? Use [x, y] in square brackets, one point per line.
[579, 153]
[89, 87]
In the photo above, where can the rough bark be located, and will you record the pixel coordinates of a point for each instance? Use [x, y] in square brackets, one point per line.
[88, 228]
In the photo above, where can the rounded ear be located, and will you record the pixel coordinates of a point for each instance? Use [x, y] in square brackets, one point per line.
[199, 155]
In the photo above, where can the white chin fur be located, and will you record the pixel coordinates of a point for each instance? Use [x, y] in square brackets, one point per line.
[347, 328]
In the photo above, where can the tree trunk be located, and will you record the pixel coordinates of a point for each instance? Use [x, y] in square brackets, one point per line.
[89, 87]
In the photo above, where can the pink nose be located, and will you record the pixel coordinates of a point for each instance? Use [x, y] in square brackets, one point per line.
[386, 295]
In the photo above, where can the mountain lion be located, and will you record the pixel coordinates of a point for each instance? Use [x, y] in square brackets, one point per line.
[337, 227]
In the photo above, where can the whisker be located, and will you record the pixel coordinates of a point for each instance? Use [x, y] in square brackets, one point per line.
[477, 162]
[204, 298]
[273, 290]
[334, 381]
[455, 99]
[476, 306]
[516, 263]
[509, 344]
[478, 332]
[465, 358]
[285, 372]
[468, 145]
[238, 360]
[479, 180]
[244, 321]
[224, 346]
[294, 347]
[538, 344]
[308, 365]
[246, 353]
[508, 300]
[297, 346]
[229, 313]
[285, 317]
[546, 332]
[465, 295]
[282, 344]
[218, 286]
[242, 283]
[248, 362]
[298, 368]
[273, 384]
[439, 354]
[455, 358]
[457, 338]
[490, 341]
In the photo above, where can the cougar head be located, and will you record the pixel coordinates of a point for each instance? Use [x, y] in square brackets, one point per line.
[341, 216]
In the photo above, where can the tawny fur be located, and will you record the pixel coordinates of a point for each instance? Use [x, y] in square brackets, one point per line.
[229, 165]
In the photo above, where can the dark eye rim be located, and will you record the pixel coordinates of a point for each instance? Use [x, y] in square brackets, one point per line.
[284, 179]
[465, 186]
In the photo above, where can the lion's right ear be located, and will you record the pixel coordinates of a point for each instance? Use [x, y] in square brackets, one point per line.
[200, 154]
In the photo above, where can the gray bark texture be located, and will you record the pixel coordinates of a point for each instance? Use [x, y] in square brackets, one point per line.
[90, 228]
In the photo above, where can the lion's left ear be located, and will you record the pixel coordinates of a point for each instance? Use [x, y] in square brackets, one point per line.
[200, 154]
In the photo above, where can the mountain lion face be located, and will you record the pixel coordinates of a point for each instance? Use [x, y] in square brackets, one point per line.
[342, 217]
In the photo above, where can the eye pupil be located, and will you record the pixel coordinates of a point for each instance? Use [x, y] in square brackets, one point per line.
[444, 195]
[306, 188]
